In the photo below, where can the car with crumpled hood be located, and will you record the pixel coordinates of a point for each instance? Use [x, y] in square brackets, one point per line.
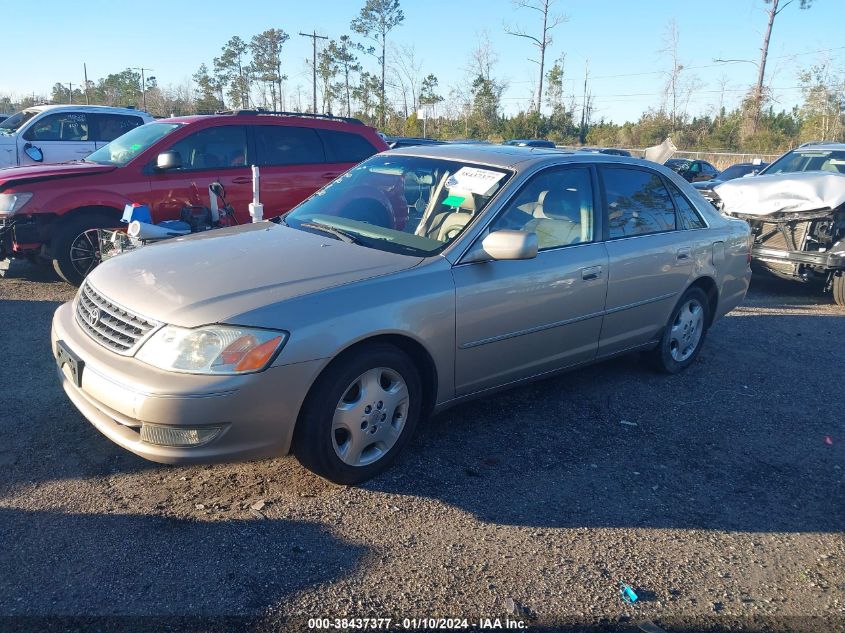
[796, 210]
[333, 334]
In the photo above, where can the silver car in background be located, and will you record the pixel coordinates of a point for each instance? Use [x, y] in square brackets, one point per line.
[421, 278]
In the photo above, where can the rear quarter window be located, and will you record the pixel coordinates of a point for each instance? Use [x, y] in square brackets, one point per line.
[345, 147]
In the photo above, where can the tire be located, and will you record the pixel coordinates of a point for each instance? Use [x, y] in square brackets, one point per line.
[73, 240]
[357, 416]
[837, 288]
[684, 334]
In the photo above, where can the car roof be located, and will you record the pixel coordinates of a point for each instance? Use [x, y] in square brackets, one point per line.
[510, 156]
[832, 146]
[87, 108]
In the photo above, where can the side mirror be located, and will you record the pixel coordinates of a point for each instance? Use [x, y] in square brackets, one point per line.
[33, 152]
[168, 160]
[504, 244]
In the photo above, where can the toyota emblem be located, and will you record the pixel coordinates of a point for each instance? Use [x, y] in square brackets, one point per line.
[93, 317]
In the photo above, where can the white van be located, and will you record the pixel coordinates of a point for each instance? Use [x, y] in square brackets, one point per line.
[58, 133]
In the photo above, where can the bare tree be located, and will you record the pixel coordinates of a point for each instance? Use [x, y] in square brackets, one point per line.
[773, 11]
[550, 22]
[408, 71]
[673, 77]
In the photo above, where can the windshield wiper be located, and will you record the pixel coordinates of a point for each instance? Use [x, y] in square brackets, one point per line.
[340, 234]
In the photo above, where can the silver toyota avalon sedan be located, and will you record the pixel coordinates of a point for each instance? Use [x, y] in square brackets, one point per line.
[421, 278]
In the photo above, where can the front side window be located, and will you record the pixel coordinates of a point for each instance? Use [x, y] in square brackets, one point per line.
[213, 148]
[127, 146]
[67, 126]
[288, 145]
[637, 202]
[556, 204]
[402, 204]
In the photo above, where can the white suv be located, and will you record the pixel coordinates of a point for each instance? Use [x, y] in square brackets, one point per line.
[58, 133]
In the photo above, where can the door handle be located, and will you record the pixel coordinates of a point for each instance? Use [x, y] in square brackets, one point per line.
[683, 254]
[593, 272]
[242, 180]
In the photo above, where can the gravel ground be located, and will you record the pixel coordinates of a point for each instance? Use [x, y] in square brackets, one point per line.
[717, 495]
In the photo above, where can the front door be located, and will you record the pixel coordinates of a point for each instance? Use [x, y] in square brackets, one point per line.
[214, 154]
[517, 319]
[59, 137]
[650, 257]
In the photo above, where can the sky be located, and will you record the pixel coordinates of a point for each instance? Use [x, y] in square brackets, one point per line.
[620, 40]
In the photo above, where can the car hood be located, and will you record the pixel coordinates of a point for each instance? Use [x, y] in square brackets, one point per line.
[35, 173]
[217, 275]
[782, 193]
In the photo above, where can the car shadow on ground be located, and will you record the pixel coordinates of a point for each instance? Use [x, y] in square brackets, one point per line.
[135, 565]
[748, 438]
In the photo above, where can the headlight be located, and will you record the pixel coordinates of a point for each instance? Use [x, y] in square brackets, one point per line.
[13, 202]
[212, 349]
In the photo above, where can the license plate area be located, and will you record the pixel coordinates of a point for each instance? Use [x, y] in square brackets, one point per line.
[64, 356]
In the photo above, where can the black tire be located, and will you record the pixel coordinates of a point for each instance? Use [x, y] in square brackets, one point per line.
[70, 242]
[837, 288]
[662, 358]
[314, 439]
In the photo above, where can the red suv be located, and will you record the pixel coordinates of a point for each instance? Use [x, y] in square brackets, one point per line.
[49, 211]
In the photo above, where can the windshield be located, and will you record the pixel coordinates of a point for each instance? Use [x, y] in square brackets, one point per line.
[809, 160]
[124, 148]
[13, 123]
[402, 204]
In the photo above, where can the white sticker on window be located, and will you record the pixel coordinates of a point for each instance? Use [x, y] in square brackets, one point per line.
[474, 180]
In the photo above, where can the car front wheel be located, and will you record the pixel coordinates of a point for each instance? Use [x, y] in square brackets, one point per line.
[359, 415]
[75, 245]
[684, 334]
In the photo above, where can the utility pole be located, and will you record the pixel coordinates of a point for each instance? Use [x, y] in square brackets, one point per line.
[143, 87]
[85, 72]
[314, 37]
[70, 92]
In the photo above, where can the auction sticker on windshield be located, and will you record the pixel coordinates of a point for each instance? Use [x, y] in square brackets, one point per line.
[475, 180]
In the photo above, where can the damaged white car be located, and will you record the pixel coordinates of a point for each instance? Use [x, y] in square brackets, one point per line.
[797, 223]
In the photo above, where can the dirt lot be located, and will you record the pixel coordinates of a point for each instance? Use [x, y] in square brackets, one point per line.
[718, 495]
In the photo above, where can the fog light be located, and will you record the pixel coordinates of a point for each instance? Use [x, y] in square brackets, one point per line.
[178, 436]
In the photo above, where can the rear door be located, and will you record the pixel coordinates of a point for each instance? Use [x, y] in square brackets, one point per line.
[516, 319]
[292, 162]
[218, 153]
[651, 260]
[60, 137]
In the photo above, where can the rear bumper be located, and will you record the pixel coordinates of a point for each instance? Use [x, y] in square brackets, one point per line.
[256, 412]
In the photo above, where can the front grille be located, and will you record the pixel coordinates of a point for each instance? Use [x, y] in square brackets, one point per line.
[110, 325]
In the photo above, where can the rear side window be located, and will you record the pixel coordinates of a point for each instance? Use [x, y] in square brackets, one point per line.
[343, 147]
[637, 202]
[214, 147]
[688, 217]
[66, 126]
[288, 145]
[109, 126]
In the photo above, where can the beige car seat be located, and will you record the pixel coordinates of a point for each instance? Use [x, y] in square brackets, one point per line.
[449, 223]
[560, 219]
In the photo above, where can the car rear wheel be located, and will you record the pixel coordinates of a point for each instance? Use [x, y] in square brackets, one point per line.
[684, 334]
[838, 288]
[75, 245]
[359, 415]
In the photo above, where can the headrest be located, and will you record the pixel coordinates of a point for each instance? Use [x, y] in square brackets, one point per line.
[467, 202]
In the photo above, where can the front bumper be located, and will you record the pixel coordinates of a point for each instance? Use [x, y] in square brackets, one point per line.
[257, 412]
[830, 260]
